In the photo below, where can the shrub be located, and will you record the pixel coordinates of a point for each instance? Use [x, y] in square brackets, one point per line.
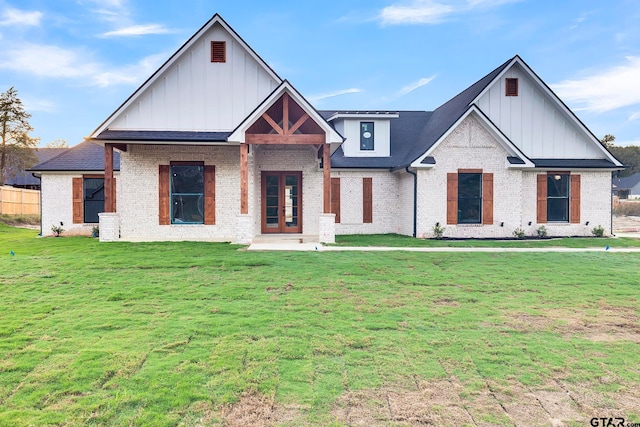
[626, 208]
[57, 230]
[519, 233]
[438, 231]
[95, 231]
[598, 231]
[541, 232]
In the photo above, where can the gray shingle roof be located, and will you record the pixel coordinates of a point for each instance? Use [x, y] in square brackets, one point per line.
[25, 178]
[628, 182]
[414, 132]
[574, 163]
[404, 132]
[163, 136]
[85, 156]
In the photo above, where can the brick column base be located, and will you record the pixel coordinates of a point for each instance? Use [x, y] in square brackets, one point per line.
[327, 228]
[244, 229]
[109, 226]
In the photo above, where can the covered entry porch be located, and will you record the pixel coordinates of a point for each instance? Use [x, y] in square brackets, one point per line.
[285, 170]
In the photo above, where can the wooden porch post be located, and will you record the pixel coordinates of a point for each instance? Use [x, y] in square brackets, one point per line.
[108, 179]
[326, 175]
[244, 179]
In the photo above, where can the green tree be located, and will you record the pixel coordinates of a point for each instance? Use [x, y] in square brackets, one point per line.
[629, 156]
[16, 146]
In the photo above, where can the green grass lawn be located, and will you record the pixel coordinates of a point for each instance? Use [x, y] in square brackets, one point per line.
[186, 334]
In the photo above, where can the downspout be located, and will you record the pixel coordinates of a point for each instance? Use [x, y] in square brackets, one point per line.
[415, 201]
[40, 195]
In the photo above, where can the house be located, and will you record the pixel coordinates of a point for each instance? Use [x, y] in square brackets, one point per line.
[25, 179]
[627, 187]
[72, 187]
[216, 146]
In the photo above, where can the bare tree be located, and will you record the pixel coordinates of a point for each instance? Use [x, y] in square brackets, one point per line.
[607, 140]
[57, 143]
[16, 146]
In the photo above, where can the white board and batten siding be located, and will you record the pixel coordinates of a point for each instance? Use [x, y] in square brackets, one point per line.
[350, 129]
[195, 94]
[534, 121]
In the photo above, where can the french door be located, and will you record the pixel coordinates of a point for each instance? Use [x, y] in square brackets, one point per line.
[281, 202]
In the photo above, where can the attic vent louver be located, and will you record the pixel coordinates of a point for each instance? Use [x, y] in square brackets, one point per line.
[218, 51]
[512, 87]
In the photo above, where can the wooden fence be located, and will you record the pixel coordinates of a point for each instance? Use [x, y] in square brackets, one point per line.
[17, 201]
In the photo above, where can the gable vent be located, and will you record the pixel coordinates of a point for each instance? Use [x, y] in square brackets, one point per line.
[218, 51]
[512, 87]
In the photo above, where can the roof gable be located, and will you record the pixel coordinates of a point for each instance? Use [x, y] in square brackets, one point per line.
[331, 135]
[191, 92]
[514, 156]
[536, 120]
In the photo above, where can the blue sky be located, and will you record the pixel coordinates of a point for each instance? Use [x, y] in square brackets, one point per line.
[74, 62]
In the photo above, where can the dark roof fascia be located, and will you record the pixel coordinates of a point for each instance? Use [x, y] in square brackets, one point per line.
[175, 54]
[575, 164]
[161, 136]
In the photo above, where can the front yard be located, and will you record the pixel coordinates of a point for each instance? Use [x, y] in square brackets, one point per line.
[188, 334]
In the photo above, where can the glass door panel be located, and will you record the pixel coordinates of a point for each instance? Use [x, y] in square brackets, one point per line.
[281, 202]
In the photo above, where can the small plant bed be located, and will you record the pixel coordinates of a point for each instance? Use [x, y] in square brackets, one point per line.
[396, 240]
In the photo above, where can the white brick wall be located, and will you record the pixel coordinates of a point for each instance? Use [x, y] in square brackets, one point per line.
[595, 204]
[470, 146]
[390, 213]
[138, 199]
[57, 203]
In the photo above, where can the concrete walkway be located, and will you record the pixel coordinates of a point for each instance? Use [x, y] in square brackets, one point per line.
[292, 246]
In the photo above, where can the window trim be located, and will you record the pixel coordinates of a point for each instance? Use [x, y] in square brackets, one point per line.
[480, 197]
[373, 136]
[172, 193]
[567, 198]
[84, 199]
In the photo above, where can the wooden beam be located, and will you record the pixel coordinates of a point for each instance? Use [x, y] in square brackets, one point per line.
[312, 139]
[273, 124]
[109, 190]
[326, 175]
[285, 113]
[299, 123]
[121, 147]
[244, 179]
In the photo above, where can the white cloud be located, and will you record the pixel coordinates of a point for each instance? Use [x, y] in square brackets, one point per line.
[415, 85]
[39, 105]
[131, 74]
[19, 17]
[419, 12]
[138, 30]
[634, 116]
[432, 11]
[55, 62]
[613, 88]
[334, 94]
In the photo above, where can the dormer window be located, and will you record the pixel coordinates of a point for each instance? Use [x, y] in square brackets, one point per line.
[366, 136]
[512, 87]
[218, 51]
